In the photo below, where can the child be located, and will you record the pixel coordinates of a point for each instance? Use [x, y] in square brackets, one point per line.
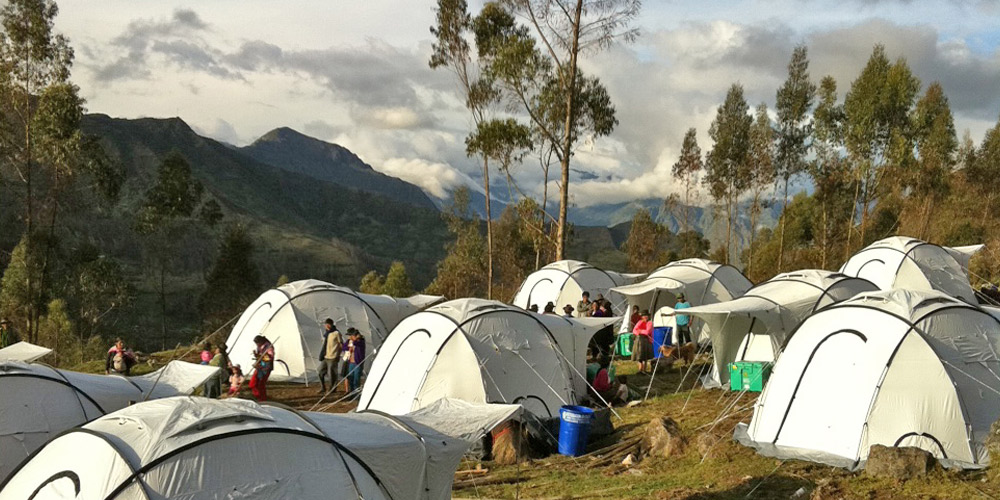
[206, 353]
[235, 380]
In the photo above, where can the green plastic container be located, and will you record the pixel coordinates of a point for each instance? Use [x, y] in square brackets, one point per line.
[624, 345]
[748, 376]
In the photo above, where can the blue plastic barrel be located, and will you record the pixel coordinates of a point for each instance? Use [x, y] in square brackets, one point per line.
[574, 428]
[662, 335]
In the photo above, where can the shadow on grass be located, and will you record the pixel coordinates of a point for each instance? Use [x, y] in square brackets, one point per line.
[767, 488]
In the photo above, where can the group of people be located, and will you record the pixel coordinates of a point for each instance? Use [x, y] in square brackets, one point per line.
[340, 358]
[642, 332]
[585, 308]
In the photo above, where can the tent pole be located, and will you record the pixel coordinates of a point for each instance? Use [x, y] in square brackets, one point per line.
[606, 403]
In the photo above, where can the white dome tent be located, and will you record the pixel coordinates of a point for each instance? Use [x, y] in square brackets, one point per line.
[563, 282]
[896, 368]
[182, 448]
[292, 315]
[755, 326]
[38, 401]
[912, 264]
[481, 351]
[701, 281]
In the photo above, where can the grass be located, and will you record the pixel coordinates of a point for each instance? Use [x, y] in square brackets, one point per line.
[729, 471]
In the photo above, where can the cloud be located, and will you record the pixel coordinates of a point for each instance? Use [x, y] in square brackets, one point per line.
[137, 40]
[436, 178]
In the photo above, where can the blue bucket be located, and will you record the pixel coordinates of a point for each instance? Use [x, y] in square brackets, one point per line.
[662, 335]
[574, 428]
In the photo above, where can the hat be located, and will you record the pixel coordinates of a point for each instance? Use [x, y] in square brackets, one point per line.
[4, 321]
[680, 296]
[645, 312]
[568, 308]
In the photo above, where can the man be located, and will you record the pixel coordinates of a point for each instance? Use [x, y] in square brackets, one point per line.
[7, 334]
[533, 308]
[329, 355]
[568, 311]
[683, 321]
[550, 308]
[583, 307]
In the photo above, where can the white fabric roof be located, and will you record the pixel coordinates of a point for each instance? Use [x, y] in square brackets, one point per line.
[563, 283]
[481, 351]
[292, 315]
[38, 401]
[200, 448]
[463, 420]
[912, 264]
[897, 368]
[755, 326]
[23, 351]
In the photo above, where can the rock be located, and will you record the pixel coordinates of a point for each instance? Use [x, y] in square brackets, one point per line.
[708, 444]
[662, 438]
[629, 459]
[898, 463]
[633, 404]
[799, 493]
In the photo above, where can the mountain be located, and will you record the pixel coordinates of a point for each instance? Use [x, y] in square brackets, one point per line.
[292, 151]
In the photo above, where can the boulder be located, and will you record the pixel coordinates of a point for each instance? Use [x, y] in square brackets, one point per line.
[898, 463]
[662, 438]
[709, 444]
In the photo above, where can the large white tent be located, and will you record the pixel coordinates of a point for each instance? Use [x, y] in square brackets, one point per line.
[38, 401]
[187, 448]
[292, 315]
[755, 326]
[701, 281]
[481, 351]
[896, 368]
[563, 282]
[23, 351]
[912, 264]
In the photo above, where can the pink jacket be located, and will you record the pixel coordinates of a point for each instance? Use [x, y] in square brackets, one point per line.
[644, 328]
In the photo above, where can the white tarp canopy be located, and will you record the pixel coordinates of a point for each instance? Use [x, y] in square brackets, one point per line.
[38, 401]
[755, 326]
[563, 283]
[292, 315]
[912, 264]
[701, 281]
[481, 351]
[23, 351]
[186, 448]
[461, 419]
[896, 368]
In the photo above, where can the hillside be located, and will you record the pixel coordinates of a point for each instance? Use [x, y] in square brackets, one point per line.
[292, 151]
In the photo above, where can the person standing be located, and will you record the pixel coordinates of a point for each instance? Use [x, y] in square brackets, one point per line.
[213, 386]
[262, 366]
[8, 336]
[568, 311]
[357, 359]
[329, 355]
[206, 353]
[583, 307]
[119, 360]
[634, 318]
[683, 321]
[643, 341]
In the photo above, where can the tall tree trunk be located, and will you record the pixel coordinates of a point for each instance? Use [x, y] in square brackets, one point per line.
[541, 215]
[987, 208]
[489, 230]
[163, 303]
[567, 145]
[729, 226]
[850, 221]
[824, 234]
[781, 237]
[754, 212]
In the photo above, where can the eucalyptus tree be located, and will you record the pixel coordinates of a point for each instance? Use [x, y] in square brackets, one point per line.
[794, 127]
[936, 145]
[760, 173]
[687, 168]
[726, 163]
[567, 29]
[828, 169]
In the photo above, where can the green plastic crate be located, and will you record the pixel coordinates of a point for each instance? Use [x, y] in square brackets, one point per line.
[624, 344]
[748, 376]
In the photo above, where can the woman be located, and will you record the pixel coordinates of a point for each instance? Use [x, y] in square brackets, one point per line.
[262, 366]
[120, 360]
[357, 352]
[642, 350]
[634, 319]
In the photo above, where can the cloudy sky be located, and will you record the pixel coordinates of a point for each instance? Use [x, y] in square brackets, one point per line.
[355, 72]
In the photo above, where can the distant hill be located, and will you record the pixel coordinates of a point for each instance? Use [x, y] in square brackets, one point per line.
[289, 150]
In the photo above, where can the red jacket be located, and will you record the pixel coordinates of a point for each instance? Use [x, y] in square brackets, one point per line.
[644, 328]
